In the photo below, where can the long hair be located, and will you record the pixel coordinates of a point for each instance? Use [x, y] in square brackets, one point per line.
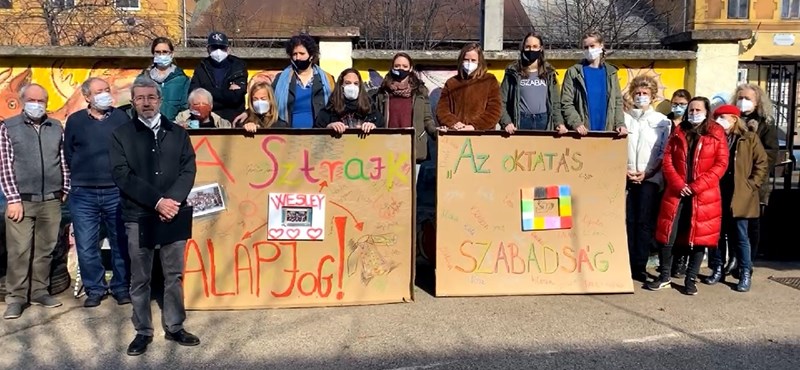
[541, 69]
[269, 118]
[763, 103]
[702, 128]
[600, 39]
[739, 127]
[482, 67]
[337, 101]
[413, 79]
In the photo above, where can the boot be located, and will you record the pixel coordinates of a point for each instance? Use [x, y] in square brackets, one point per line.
[663, 279]
[695, 260]
[715, 277]
[732, 266]
[744, 281]
[679, 267]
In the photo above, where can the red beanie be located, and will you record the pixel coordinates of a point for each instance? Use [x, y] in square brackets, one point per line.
[727, 109]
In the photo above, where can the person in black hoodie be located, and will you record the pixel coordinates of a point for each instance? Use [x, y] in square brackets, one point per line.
[350, 106]
[153, 164]
[224, 75]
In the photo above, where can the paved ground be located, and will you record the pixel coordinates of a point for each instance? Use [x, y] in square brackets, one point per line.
[718, 329]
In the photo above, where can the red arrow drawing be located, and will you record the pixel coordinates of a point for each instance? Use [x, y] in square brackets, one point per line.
[359, 225]
[249, 234]
[322, 185]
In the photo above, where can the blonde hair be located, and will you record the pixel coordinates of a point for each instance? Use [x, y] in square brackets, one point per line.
[271, 116]
[763, 103]
[482, 67]
[647, 82]
[739, 127]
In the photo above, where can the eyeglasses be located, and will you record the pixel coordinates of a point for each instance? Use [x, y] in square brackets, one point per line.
[162, 52]
[149, 98]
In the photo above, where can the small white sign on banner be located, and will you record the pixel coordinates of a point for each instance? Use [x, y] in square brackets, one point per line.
[296, 216]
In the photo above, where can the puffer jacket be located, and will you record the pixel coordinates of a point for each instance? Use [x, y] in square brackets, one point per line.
[710, 164]
[648, 132]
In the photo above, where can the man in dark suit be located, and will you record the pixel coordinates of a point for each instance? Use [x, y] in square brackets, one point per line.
[153, 164]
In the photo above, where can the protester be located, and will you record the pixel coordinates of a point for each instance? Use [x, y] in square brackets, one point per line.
[349, 106]
[263, 112]
[223, 75]
[756, 109]
[680, 101]
[35, 179]
[174, 82]
[402, 100]
[648, 133]
[302, 90]
[747, 167]
[470, 100]
[591, 98]
[200, 114]
[694, 161]
[530, 93]
[94, 198]
[153, 163]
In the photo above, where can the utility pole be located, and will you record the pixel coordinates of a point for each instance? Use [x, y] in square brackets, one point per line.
[492, 25]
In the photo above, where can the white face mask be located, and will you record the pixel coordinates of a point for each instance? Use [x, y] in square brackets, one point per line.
[592, 53]
[470, 67]
[697, 118]
[218, 55]
[102, 101]
[745, 105]
[162, 60]
[351, 91]
[641, 101]
[260, 106]
[34, 110]
[724, 123]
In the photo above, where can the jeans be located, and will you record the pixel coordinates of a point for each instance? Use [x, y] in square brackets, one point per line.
[89, 207]
[536, 121]
[641, 211]
[754, 232]
[173, 313]
[734, 234]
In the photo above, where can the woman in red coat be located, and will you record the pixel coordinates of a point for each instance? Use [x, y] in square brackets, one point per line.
[695, 159]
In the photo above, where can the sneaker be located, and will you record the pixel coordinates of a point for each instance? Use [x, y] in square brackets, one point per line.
[93, 300]
[658, 284]
[46, 301]
[13, 311]
[691, 287]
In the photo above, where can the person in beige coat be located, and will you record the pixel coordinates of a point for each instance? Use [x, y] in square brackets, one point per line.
[199, 114]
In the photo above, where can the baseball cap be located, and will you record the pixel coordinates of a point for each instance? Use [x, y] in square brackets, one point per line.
[217, 39]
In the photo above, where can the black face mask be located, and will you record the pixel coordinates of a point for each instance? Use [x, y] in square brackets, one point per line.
[301, 65]
[529, 56]
[400, 74]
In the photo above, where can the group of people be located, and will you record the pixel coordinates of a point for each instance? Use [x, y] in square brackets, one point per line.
[696, 178]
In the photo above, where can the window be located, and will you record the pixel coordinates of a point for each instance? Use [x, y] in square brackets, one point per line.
[738, 9]
[127, 4]
[5, 4]
[790, 9]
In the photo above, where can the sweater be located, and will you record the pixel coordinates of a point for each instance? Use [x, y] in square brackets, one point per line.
[86, 143]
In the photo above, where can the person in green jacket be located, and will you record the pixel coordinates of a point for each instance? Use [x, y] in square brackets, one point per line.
[174, 82]
[530, 93]
[591, 98]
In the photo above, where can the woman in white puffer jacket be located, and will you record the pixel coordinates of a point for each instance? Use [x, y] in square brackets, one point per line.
[648, 132]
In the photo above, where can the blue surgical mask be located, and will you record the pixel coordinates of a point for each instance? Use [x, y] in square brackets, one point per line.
[34, 110]
[103, 101]
[679, 109]
[163, 60]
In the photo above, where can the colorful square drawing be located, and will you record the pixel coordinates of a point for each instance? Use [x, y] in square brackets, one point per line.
[546, 208]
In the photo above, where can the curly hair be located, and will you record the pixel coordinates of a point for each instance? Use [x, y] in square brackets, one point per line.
[763, 103]
[305, 41]
[646, 82]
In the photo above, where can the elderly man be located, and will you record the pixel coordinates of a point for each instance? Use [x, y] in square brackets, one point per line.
[224, 75]
[35, 179]
[153, 163]
[199, 114]
[94, 198]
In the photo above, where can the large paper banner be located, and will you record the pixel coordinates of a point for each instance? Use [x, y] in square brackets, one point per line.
[531, 214]
[293, 218]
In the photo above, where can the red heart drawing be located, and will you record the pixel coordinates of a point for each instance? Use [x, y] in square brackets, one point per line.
[292, 233]
[314, 233]
[275, 233]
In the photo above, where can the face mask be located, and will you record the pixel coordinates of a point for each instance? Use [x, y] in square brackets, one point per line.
[697, 119]
[351, 92]
[470, 67]
[301, 65]
[641, 100]
[34, 110]
[745, 105]
[162, 60]
[218, 55]
[592, 53]
[529, 56]
[400, 74]
[201, 111]
[678, 110]
[724, 123]
[102, 101]
[260, 106]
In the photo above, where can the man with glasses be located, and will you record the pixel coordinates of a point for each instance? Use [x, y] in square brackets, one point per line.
[224, 75]
[94, 199]
[153, 163]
